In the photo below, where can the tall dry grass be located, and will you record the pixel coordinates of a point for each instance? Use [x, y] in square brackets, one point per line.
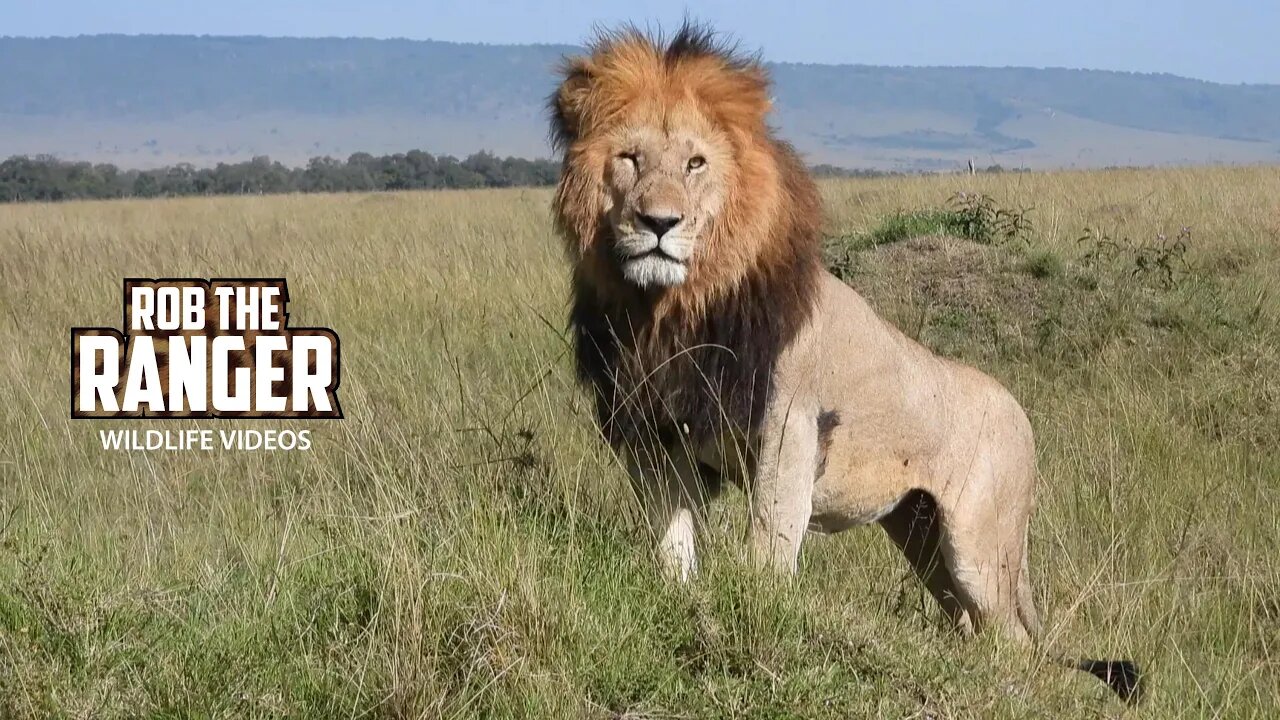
[461, 545]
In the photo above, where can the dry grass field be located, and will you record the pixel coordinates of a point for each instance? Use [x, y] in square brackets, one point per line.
[462, 546]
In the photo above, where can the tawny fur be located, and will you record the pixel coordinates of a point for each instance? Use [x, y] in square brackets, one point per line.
[728, 350]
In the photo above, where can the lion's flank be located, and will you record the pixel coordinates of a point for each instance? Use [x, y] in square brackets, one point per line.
[696, 360]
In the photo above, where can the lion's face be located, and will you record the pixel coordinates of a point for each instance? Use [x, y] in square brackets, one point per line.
[665, 189]
[670, 178]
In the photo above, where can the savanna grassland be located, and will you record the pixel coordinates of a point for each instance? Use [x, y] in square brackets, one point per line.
[462, 546]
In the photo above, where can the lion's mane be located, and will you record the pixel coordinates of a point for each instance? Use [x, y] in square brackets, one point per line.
[694, 360]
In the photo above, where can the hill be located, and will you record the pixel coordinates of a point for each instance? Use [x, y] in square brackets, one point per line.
[142, 101]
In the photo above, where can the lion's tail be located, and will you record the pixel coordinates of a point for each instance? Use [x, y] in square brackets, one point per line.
[1122, 676]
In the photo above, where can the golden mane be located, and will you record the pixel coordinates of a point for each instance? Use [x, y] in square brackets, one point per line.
[627, 68]
[702, 352]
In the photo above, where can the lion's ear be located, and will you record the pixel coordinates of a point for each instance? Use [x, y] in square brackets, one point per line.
[569, 99]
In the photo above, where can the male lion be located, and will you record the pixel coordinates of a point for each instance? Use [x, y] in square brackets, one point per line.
[717, 345]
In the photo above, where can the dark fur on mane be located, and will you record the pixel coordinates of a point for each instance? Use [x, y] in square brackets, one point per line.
[699, 373]
[694, 40]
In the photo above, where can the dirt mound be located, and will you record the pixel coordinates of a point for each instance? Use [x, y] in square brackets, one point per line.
[956, 273]
[957, 296]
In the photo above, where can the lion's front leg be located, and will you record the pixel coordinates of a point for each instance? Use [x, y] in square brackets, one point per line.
[673, 495]
[782, 487]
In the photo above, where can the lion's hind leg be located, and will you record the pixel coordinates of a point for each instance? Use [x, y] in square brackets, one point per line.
[986, 585]
[983, 541]
[984, 593]
[970, 556]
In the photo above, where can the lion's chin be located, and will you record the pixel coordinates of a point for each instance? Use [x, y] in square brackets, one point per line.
[654, 270]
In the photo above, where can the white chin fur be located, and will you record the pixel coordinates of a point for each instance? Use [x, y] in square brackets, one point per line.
[654, 271]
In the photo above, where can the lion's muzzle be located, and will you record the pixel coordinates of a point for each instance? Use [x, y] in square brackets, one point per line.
[659, 225]
[655, 252]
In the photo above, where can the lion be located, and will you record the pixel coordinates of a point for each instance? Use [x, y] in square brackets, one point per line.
[717, 345]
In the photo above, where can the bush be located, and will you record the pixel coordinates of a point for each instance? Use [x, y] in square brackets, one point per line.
[1043, 264]
[972, 216]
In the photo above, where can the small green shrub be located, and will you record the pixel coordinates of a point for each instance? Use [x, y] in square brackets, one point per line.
[977, 217]
[1043, 264]
[916, 223]
[972, 216]
[1162, 260]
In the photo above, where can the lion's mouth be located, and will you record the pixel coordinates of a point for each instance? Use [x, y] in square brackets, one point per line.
[657, 253]
[654, 267]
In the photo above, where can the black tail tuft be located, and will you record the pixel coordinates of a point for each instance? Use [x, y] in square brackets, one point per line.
[1121, 675]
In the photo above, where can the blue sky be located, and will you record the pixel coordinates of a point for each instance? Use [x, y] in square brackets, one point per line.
[1221, 40]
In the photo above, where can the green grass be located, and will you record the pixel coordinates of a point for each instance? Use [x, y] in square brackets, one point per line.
[1043, 264]
[973, 216]
[910, 224]
[462, 545]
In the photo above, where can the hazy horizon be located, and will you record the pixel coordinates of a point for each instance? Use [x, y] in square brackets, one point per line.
[1228, 42]
[147, 101]
[580, 44]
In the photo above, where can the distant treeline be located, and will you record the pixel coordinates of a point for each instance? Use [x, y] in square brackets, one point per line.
[835, 171]
[46, 178]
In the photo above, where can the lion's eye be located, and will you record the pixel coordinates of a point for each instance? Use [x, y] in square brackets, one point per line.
[697, 162]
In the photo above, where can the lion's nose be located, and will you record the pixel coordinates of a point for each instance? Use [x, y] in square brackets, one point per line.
[659, 224]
